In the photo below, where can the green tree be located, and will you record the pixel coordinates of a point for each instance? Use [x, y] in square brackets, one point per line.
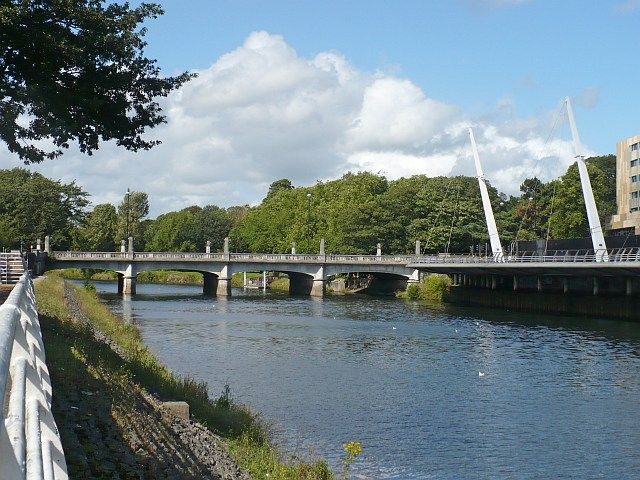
[569, 218]
[282, 184]
[76, 69]
[32, 206]
[188, 230]
[131, 212]
[98, 231]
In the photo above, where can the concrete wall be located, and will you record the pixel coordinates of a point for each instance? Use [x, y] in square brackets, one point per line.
[578, 303]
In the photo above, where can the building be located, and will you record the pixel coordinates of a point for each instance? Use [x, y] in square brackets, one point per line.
[627, 220]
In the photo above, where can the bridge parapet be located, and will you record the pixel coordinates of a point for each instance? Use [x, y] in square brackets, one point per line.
[233, 257]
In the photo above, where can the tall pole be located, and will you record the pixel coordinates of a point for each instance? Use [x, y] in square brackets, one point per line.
[494, 238]
[308, 222]
[597, 237]
[128, 195]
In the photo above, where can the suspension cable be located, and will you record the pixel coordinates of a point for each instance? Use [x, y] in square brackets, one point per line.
[526, 211]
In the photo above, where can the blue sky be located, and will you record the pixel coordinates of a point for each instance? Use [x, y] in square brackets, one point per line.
[470, 53]
[311, 90]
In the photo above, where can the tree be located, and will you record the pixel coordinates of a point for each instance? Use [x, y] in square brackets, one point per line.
[32, 206]
[282, 184]
[569, 218]
[99, 230]
[76, 71]
[131, 211]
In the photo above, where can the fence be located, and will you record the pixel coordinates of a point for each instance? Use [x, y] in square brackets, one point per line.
[30, 444]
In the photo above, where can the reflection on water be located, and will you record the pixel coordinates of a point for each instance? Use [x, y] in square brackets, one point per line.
[559, 397]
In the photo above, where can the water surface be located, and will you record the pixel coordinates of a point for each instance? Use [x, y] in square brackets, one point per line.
[558, 397]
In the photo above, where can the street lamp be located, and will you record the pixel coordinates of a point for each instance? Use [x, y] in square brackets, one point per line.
[308, 221]
[128, 195]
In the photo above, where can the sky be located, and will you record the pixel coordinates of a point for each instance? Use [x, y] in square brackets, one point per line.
[311, 90]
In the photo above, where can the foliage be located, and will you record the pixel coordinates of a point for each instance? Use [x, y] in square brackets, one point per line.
[432, 289]
[76, 71]
[282, 184]
[188, 230]
[32, 206]
[352, 450]
[131, 211]
[264, 462]
[98, 231]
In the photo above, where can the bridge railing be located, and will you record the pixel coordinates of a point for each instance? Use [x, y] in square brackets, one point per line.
[30, 444]
[239, 257]
[551, 256]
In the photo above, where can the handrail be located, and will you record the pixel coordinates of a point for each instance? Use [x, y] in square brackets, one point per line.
[613, 255]
[241, 257]
[30, 446]
[550, 256]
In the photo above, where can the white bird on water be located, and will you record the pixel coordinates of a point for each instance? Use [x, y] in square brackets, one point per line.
[481, 374]
[393, 328]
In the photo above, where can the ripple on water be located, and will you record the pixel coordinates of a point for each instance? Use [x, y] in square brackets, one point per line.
[559, 396]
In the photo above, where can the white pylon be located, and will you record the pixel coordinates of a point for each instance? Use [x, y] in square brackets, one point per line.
[597, 237]
[494, 238]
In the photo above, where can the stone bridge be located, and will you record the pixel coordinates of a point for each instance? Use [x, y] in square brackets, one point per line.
[308, 274]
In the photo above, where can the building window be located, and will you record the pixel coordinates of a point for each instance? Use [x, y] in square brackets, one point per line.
[633, 209]
[635, 147]
[634, 178]
[634, 194]
[634, 163]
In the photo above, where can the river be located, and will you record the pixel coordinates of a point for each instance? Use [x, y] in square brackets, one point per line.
[443, 393]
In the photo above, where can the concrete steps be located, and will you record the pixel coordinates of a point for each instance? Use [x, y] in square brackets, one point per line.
[11, 268]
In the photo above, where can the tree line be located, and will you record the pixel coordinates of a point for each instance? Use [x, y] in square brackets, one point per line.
[352, 214]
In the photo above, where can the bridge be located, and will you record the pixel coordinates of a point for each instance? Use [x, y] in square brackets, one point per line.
[307, 273]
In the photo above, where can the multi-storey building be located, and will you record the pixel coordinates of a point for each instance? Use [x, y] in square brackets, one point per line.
[627, 220]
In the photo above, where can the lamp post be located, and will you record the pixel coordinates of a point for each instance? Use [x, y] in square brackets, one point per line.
[308, 221]
[128, 195]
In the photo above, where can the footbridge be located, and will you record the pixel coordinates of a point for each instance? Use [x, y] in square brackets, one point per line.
[307, 273]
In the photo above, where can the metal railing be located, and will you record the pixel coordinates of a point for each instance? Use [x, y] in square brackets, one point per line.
[552, 256]
[237, 257]
[30, 444]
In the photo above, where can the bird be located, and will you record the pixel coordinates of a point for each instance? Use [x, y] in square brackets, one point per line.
[481, 374]
[393, 328]
[456, 330]
[477, 324]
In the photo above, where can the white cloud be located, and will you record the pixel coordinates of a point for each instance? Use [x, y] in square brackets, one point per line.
[262, 112]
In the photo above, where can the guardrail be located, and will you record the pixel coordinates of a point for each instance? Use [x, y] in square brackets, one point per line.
[553, 256]
[30, 444]
[241, 257]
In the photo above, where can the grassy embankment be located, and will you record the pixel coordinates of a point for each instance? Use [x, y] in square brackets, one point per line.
[80, 363]
[432, 289]
[157, 276]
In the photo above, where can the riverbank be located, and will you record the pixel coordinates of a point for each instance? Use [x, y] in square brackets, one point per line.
[108, 394]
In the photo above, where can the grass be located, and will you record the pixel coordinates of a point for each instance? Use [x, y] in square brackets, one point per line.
[169, 277]
[68, 339]
[432, 289]
[280, 284]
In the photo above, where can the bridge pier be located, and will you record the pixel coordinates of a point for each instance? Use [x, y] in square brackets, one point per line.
[223, 287]
[209, 284]
[126, 284]
[127, 281]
